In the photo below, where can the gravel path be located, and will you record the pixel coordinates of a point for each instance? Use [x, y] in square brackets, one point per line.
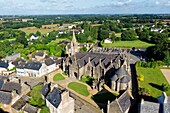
[166, 73]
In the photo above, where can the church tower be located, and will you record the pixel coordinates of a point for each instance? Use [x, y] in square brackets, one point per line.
[74, 45]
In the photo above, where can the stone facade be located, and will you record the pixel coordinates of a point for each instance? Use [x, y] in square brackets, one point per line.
[100, 66]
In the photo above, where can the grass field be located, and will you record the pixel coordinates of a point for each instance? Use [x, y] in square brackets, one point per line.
[57, 41]
[58, 77]
[127, 44]
[79, 88]
[43, 30]
[153, 79]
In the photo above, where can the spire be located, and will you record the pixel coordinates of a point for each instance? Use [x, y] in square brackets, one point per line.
[74, 37]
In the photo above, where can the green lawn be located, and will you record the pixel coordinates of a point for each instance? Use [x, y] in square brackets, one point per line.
[58, 77]
[36, 98]
[86, 79]
[79, 88]
[128, 44]
[153, 79]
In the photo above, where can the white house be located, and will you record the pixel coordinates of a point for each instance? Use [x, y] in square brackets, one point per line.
[5, 66]
[36, 69]
[34, 37]
[71, 26]
[51, 65]
[108, 40]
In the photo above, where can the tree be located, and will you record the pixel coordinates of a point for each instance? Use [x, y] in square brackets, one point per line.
[144, 36]
[38, 33]
[61, 24]
[38, 25]
[22, 40]
[128, 35]
[83, 49]
[103, 34]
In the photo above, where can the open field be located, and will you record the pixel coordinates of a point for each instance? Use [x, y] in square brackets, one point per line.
[96, 25]
[153, 79]
[79, 88]
[57, 41]
[45, 29]
[127, 44]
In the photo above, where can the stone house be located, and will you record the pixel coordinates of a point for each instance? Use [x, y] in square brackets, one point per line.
[40, 56]
[58, 100]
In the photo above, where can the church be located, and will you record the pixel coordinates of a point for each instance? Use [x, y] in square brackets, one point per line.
[111, 68]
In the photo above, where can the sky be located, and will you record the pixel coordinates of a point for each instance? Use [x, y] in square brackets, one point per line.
[50, 7]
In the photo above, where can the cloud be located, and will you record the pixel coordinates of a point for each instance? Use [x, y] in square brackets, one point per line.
[157, 2]
[121, 3]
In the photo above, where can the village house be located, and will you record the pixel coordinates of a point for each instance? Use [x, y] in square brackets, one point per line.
[35, 68]
[58, 100]
[13, 57]
[6, 67]
[108, 40]
[11, 89]
[34, 37]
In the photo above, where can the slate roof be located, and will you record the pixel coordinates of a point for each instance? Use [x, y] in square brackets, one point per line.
[20, 103]
[3, 64]
[124, 101]
[125, 79]
[121, 72]
[121, 75]
[10, 86]
[83, 58]
[54, 97]
[149, 107]
[114, 107]
[49, 61]
[30, 109]
[122, 104]
[19, 63]
[5, 97]
[33, 65]
[45, 90]
[1, 83]
[40, 54]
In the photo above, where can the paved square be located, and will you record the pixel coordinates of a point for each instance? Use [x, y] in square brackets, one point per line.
[166, 73]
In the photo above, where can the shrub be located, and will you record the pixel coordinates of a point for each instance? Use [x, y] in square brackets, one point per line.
[165, 87]
[141, 78]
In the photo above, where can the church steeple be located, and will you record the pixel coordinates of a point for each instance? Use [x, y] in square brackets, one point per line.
[74, 45]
